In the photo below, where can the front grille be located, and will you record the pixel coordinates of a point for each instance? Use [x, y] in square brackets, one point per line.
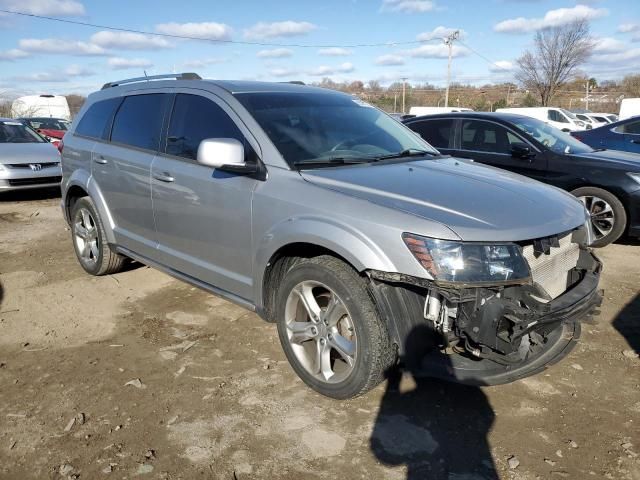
[28, 166]
[551, 270]
[21, 182]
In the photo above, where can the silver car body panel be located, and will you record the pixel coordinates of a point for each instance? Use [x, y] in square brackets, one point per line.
[23, 165]
[223, 229]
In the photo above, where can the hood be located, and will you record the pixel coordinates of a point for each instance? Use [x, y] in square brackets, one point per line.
[477, 202]
[613, 157]
[28, 153]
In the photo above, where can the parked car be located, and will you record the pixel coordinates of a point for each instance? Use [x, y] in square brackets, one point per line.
[602, 118]
[629, 107]
[334, 221]
[26, 159]
[623, 135]
[607, 182]
[401, 116]
[52, 128]
[55, 106]
[592, 120]
[557, 117]
[415, 111]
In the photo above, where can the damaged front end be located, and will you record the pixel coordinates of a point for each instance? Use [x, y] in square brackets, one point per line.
[491, 331]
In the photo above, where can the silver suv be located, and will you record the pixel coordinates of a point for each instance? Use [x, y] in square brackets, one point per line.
[364, 244]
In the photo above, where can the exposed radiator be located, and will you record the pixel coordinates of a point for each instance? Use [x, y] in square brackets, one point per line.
[551, 270]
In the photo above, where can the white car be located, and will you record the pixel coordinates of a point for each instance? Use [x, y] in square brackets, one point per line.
[557, 117]
[419, 111]
[629, 107]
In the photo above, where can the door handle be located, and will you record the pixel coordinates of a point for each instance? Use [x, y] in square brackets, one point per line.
[635, 141]
[164, 177]
[101, 160]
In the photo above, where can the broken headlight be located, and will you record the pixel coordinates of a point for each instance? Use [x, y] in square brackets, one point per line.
[452, 261]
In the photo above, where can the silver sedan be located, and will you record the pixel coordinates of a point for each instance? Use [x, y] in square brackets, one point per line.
[26, 159]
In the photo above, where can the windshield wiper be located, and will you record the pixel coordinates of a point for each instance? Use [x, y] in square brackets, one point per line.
[409, 152]
[333, 161]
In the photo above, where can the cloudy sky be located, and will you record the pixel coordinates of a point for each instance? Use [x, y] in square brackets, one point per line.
[302, 40]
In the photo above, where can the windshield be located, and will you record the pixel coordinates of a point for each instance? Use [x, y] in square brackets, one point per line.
[16, 132]
[308, 127]
[551, 137]
[48, 124]
[569, 114]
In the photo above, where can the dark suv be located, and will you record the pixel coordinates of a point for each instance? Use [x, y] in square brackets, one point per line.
[606, 181]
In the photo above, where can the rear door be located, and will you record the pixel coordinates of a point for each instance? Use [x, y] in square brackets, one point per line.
[122, 169]
[202, 215]
[489, 142]
[439, 132]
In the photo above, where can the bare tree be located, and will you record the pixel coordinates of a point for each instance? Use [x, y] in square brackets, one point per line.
[556, 55]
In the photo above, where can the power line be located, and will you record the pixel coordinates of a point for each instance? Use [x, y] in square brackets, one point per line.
[488, 60]
[221, 41]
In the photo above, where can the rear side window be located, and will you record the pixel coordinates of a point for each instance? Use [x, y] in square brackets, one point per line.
[436, 132]
[632, 128]
[138, 121]
[194, 119]
[96, 119]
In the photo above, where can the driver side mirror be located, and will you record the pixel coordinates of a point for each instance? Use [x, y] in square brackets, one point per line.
[520, 150]
[226, 154]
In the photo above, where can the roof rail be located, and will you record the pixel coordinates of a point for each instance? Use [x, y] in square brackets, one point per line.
[176, 76]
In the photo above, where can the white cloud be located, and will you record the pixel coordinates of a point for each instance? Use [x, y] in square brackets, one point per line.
[627, 55]
[275, 53]
[553, 18]
[346, 67]
[389, 60]
[72, 71]
[408, 6]
[202, 30]
[56, 46]
[335, 52]
[282, 72]
[128, 41]
[609, 45]
[629, 27]
[59, 8]
[287, 28]
[203, 62]
[13, 54]
[437, 51]
[119, 63]
[439, 32]
[501, 66]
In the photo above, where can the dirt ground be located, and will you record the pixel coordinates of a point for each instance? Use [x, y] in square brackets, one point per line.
[212, 395]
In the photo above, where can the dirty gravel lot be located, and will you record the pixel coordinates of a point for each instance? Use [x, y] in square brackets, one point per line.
[213, 397]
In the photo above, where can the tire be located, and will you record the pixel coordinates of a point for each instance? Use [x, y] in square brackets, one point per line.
[90, 241]
[353, 317]
[605, 208]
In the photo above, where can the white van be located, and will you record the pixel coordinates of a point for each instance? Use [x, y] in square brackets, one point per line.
[629, 107]
[419, 111]
[52, 106]
[557, 117]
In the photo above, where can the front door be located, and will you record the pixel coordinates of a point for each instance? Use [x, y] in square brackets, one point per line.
[202, 215]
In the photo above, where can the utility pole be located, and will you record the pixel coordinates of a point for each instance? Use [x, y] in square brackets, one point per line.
[586, 98]
[404, 79]
[448, 41]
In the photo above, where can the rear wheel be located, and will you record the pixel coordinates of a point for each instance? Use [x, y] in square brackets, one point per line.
[89, 240]
[330, 329]
[608, 216]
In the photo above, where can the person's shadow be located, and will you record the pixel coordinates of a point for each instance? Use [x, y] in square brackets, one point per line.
[627, 322]
[438, 429]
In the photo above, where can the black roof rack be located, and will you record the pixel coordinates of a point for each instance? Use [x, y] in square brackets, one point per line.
[176, 76]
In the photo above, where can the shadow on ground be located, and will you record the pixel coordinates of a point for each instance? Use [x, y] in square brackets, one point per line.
[627, 323]
[438, 430]
[28, 195]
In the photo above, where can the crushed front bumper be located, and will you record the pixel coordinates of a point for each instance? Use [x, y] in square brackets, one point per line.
[402, 306]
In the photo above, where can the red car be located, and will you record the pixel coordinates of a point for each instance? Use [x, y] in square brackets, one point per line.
[53, 128]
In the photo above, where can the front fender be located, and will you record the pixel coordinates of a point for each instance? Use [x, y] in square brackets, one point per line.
[352, 245]
[83, 179]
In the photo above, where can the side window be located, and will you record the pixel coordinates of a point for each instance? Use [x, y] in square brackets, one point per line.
[437, 132]
[138, 121]
[631, 128]
[195, 118]
[95, 121]
[484, 136]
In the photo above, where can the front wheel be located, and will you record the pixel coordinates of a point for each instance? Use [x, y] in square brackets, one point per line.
[330, 329]
[608, 216]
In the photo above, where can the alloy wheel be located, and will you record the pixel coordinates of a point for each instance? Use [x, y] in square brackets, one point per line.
[602, 215]
[85, 233]
[320, 332]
